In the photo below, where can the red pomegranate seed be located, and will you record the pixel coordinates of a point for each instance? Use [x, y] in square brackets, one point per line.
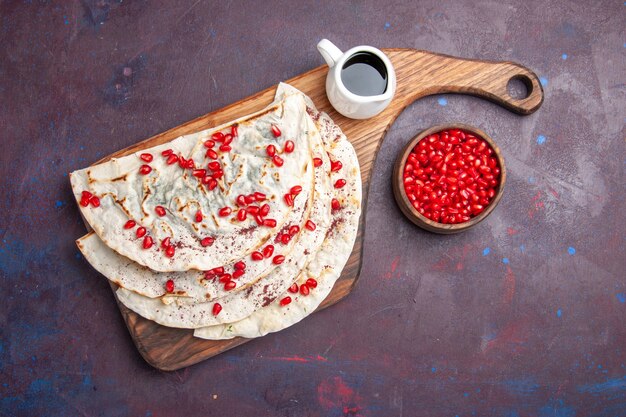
[289, 146]
[160, 211]
[270, 150]
[275, 131]
[199, 216]
[278, 259]
[207, 241]
[260, 196]
[268, 251]
[285, 301]
[130, 224]
[288, 199]
[165, 242]
[190, 164]
[249, 199]
[218, 270]
[242, 214]
[293, 230]
[265, 209]
[311, 283]
[217, 174]
[224, 211]
[147, 157]
[317, 162]
[228, 138]
[234, 130]
[140, 232]
[84, 201]
[169, 286]
[225, 148]
[182, 162]
[84, 198]
[225, 278]
[211, 154]
[284, 239]
[278, 161]
[340, 183]
[145, 169]
[295, 190]
[199, 173]
[217, 307]
[95, 201]
[259, 220]
[269, 223]
[293, 289]
[335, 204]
[240, 265]
[254, 210]
[238, 273]
[230, 285]
[256, 256]
[211, 183]
[209, 143]
[169, 251]
[167, 153]
[147, 242]
[217, 136]
[310, 225]
[172, 159]
[335, 166]
[304, 289]
[214, 166]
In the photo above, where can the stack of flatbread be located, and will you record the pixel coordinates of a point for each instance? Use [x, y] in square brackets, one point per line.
[238, 230]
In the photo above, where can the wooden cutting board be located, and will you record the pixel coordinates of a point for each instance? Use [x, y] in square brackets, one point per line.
[419, 73]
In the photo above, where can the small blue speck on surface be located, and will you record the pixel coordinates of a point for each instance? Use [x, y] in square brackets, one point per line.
[433, 369]
[543, 81]
[486, 251]
[532, 180]
[442, 101]
[58, 204]
[466, 394]
[505, 261]
[621, 297]
[541, 139]
[599, 366]
[522, 248]
[564, 57]
[559, 313]
[387, 25]
[571, 250]
[78, 255]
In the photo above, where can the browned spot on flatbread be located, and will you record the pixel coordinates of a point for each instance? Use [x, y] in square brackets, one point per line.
[120, 178]
[120, 203]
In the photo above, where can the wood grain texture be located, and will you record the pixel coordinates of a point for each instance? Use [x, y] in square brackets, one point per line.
[419, 73]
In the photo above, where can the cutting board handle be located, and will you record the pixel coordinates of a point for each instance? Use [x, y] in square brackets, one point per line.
[429, 73]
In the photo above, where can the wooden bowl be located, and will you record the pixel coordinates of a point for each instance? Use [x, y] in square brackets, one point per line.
[424, 222]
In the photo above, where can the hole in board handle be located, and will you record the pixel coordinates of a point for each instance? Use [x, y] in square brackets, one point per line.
[519, 87]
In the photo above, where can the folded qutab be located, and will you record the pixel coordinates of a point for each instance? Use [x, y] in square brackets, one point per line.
[190, 193]
[278, 273]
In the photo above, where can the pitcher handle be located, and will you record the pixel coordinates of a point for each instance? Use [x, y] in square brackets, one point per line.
[329, 51]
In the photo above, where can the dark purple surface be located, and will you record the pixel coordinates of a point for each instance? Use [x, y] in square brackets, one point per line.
[522, 316]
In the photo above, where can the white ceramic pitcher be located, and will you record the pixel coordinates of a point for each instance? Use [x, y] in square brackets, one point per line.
[345, 101]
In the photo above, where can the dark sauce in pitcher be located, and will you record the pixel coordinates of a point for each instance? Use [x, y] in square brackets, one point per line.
[364, 74]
